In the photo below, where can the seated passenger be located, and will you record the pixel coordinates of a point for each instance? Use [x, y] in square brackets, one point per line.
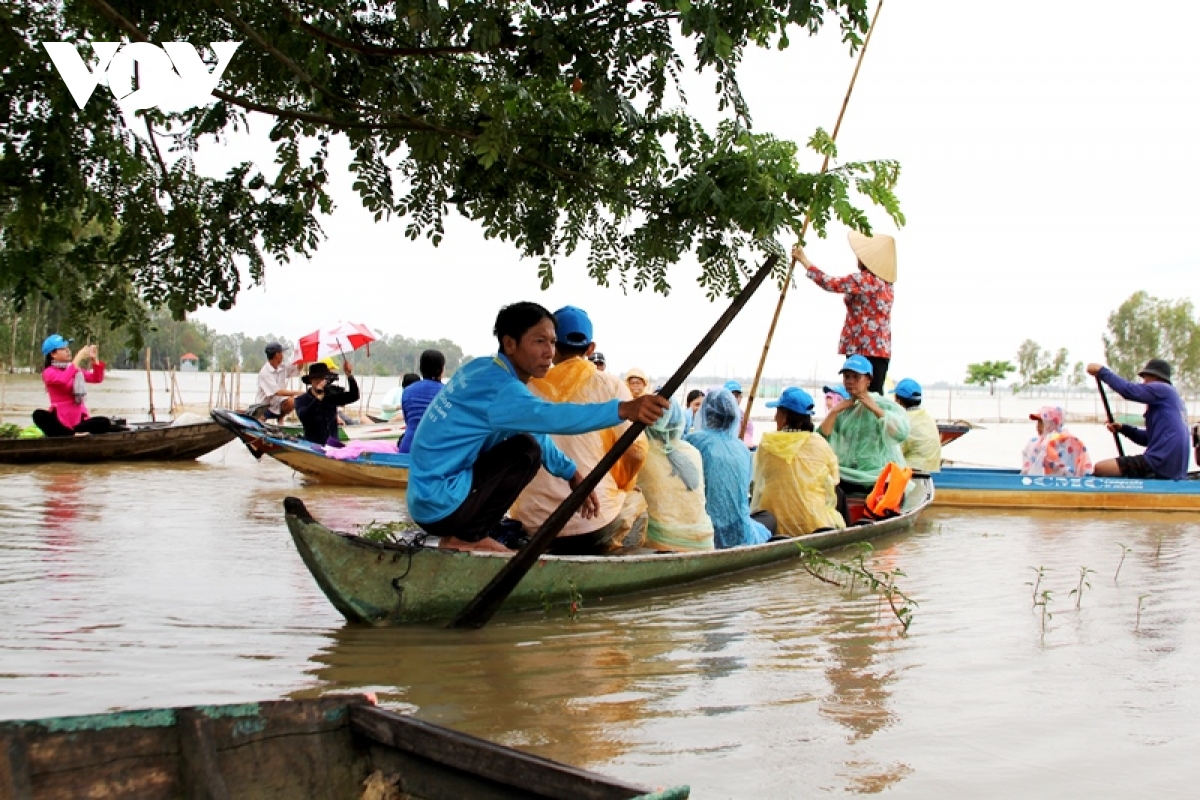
[318, 407]
[735, 388]
[391, 401]
[727, 468]
[419, 395]
[795, 471]
[692, 408]
[834, 395]
[923, 447]
[66, 381]
[620, 520]
[637, 381]
[1054, 451]
[483, 437]
[866, 432]
[672, 479]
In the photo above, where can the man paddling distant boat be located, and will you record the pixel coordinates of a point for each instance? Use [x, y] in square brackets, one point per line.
[485, 434]
[1165, 436]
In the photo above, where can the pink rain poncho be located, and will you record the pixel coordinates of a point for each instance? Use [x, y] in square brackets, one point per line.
[1054, 451]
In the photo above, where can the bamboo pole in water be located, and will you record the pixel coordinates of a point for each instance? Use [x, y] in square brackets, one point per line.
[787, 281]
[150, 385]
[211, 377]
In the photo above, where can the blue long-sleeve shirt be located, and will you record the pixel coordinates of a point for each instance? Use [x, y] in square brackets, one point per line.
[415, 402]
[481, 406]
[1165, 436]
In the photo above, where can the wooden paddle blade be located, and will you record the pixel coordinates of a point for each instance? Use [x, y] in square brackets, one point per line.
[1108, 412]
[485, 604]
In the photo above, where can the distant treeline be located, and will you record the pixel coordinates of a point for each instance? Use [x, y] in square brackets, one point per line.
[23, 330]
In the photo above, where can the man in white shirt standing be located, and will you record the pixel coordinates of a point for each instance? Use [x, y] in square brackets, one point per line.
[274, 400]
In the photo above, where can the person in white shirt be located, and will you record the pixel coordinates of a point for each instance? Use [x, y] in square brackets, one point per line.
[274, 400]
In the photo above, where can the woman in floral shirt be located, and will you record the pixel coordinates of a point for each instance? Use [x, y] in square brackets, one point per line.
[869, 294]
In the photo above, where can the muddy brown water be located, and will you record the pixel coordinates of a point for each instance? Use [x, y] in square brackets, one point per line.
[129, 586]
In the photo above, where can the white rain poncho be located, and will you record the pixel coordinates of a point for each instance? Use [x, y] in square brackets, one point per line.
[727, 468]
[672, 479]
[795, 478]
[865, 443]
[923, 447]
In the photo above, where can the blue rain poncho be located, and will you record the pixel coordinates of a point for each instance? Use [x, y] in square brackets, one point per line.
[672, 481]
[727, 469]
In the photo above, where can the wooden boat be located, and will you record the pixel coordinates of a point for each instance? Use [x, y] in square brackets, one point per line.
[348, 433]
[952, 431]
[389, 584]
[1008, 488]
[388, 470]
[334, 746]
[154, 441]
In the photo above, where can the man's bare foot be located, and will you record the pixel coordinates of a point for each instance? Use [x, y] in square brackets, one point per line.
[485, 545]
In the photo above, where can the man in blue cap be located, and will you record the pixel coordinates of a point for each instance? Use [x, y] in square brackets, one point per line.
[923, 447]
[796, 472]
[735, 389]
[620, 518]
[866, 431]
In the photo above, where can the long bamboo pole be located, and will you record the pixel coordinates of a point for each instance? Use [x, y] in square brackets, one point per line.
[787, 281]
[150, 385]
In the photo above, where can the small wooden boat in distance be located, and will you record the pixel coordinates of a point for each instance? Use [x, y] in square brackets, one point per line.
[334, 746]
[952, 431]
[159, 441]
[1008, 488]
[395, 584]
[387, 470]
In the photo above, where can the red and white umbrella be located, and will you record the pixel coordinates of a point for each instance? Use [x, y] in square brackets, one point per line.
[337, 339]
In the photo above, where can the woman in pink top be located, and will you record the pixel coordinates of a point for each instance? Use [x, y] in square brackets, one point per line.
[66, 382]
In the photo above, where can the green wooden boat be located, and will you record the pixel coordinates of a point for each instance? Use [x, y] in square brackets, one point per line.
[331, 747]
[394, 584]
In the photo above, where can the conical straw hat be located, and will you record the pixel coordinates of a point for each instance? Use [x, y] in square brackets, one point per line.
[877, 253]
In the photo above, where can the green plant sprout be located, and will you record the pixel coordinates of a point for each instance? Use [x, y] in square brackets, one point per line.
[1124, 552]
[1083, 583]
[1044, 602]
[854, 571]
[1041, 572]
[1137, 623]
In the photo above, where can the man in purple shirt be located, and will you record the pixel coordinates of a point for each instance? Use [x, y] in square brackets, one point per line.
[1165, 436]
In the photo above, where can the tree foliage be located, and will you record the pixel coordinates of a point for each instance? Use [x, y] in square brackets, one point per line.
[1145, 327]
[1038, 367]
[557, 126]
[988, 373]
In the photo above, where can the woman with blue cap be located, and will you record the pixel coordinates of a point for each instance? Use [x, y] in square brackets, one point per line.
[795, 471]
[727, 471]
[66, 382]
[923, 447]
[866, 432]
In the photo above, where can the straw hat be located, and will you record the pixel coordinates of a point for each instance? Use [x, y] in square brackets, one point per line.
[877, 253]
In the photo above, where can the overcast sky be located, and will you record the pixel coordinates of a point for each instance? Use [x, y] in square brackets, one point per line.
[1049, 171]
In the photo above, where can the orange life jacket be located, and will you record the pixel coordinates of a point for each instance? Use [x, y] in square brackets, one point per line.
[885, 499]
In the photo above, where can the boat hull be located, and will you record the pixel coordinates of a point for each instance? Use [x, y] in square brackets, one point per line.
[385, 470]
[996, 488]
[146, 443]
[326, 747]
[386, 584]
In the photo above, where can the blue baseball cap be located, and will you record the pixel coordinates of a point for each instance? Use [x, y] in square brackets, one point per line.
[573, 326]
[794, 399]
[908, 389]
[733, 386]
[857, 364]
[53, 343]
[840, 391]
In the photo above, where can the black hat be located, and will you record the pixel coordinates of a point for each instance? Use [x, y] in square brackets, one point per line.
[596, 358]
[317, 371]
[1157, 368]
[273, 349]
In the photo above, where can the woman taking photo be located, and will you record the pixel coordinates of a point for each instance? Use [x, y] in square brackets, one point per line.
[66, 382]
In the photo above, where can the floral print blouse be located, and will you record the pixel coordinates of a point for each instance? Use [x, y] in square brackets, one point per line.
[868, 327]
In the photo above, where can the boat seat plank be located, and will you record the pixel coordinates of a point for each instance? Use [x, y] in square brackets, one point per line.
[201, 774]
[14, 769]
[538, 777]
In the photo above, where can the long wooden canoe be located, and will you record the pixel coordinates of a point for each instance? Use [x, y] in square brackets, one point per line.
[149, 442]
[335, 746]
[395, 584]
[1008, 488]
[388, 470]
[952, 431]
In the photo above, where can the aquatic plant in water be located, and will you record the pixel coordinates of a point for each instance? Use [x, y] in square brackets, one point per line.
[856, 570]
[1083, 583]
[1124, 551]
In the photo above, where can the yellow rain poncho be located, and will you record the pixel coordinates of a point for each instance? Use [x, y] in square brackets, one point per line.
[672, 479]
[795, 478]
[577, 380]
[923, 447]
[865, 443]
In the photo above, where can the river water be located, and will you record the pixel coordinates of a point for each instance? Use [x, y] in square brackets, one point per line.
[172, 584]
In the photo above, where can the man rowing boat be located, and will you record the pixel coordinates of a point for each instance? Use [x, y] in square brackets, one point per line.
[485, 435]
[1165, 436]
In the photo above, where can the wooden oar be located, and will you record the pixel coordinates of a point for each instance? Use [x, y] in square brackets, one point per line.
[787, 281]
[1108, 411]
[488, 601]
